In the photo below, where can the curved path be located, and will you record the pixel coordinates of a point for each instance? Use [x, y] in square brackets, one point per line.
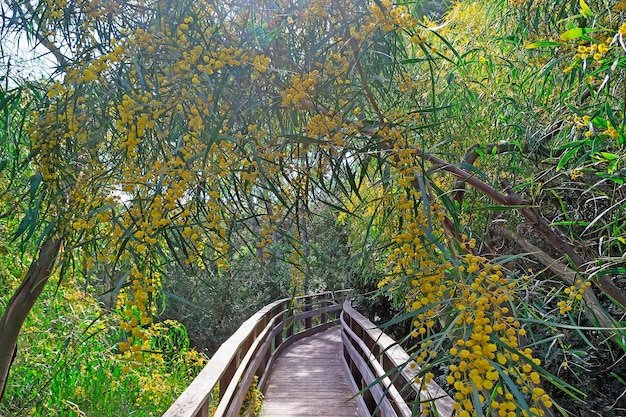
[308, 379]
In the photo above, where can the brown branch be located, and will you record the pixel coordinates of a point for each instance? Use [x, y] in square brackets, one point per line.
[366, 87]
[471, 155]
[533, 216]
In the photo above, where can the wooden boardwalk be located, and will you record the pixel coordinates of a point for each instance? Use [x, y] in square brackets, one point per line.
[308, 379]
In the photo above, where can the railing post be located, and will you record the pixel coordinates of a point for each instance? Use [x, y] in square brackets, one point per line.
[204, 411]
[229, 373]
[289, 322]
[308, 301]
[278, 339]
[323, 316]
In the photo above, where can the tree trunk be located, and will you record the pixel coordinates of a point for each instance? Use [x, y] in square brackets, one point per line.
[22, 302]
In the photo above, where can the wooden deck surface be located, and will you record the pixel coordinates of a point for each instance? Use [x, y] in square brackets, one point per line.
[308, 380]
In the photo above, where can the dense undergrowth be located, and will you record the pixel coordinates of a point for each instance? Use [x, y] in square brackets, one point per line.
[68, 362]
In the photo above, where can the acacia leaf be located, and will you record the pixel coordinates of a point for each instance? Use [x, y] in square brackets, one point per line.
[574, 33]
[541, 44]
[584, 9]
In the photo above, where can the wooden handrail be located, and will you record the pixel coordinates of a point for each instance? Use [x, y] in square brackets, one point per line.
[251, 351]
[380, 370]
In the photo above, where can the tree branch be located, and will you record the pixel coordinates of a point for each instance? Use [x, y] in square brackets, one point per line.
[597, 313]
[22, 302]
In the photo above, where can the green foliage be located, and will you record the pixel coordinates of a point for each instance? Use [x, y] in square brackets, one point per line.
[213, 303]
[67, 362]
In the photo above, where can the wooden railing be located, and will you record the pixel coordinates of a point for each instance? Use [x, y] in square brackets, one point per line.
[384, 373]
[381, 371]
[251, 351]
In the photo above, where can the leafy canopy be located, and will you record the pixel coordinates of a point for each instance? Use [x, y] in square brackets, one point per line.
[177, 130]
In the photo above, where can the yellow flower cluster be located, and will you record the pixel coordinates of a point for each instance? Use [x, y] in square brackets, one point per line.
[337, 65]
[584, 123]
[334, 130]
[84, 15]
[302, 87]
[470, 294]
[594, 53]
[620, 6]
[594, 50]
[139, 175]
[261, 63]
[488, 341]
[253, 401]
[417, 267]
[581, 122]
[611, 132]
[574, 294]
[316, 11]
[137, 315]
[180, 362]
[389, 17]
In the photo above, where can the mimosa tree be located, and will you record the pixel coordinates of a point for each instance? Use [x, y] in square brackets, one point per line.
[172, 129]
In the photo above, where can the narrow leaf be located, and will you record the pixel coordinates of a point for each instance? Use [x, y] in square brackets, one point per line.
[613, 271]
[574, 33]
[303, 139]
[566, 157]
[541, 44]
[35, 181]
[584, 9]
[24, 224]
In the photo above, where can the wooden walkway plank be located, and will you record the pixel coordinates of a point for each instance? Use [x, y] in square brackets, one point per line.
[308, 379]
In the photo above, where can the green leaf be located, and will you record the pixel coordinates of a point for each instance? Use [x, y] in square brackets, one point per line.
[566, 157]
[574, 33]
[351, 180]
[608, 156]
[184, 301]
[613, 177]
[585, 10]
[574, 144]
[541, 44]
[619, 378]
[610, 115]
[303, 139]
[613, 271]
[47, 230]
[570, 223]
[27, 223]
[474, 170]
[35, 181]
[600, 122]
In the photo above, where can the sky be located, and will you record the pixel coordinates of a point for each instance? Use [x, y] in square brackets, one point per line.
[21, 58]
